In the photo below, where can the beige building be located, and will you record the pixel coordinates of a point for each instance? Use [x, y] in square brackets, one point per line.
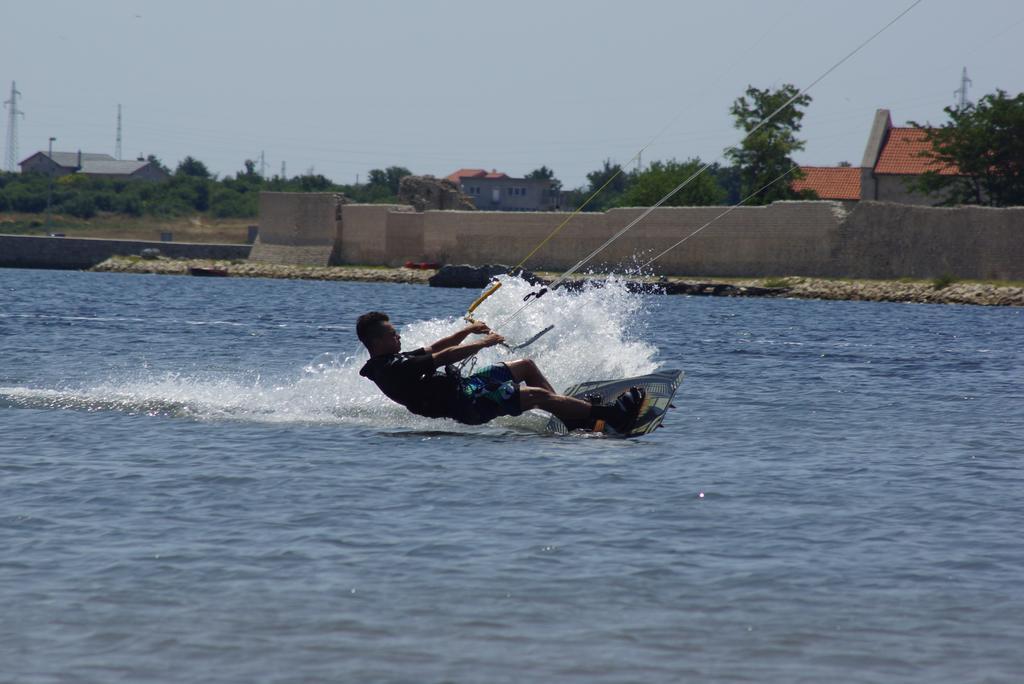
[497, 191]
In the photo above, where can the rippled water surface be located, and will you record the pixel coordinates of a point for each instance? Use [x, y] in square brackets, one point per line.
[196, 485]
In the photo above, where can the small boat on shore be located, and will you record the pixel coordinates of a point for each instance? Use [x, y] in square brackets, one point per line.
[208, 272]
[423, 265]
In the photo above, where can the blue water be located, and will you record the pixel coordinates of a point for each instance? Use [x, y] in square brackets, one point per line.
[196, 485]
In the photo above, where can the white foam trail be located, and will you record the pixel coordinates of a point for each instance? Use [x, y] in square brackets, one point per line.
[597, 335]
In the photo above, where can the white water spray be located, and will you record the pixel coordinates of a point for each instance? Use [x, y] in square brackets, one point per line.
[598, 334]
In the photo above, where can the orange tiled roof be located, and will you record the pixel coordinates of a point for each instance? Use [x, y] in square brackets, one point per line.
[831, 182]
[902, 154]
[475, 173]
[466, 173]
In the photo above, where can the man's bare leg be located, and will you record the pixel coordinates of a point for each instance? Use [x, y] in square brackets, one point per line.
[563, 407]
[578, 413]
[525, 370]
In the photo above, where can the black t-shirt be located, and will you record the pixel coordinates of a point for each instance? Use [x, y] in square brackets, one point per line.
[410, 379]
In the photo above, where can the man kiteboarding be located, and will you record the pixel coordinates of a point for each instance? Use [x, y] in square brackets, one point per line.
[413, 380]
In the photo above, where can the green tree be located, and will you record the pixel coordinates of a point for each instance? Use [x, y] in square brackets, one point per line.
[245, 182]
[155, 161]
[388, 179]
[985, 142]
[728, 178]
[193, 191]
[544, 173]
[310, 183]
[233, 201]
[82, 206]
[26, 200]
[661, 178]
[766, 152]
[129, 204]
[105, 200]
[250, 167]
[608, 182]
[189, 166]
[610, 177]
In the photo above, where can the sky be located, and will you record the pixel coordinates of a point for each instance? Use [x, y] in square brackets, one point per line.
[341, 87]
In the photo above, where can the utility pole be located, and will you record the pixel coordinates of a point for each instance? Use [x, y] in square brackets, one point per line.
[11, 162]
[284, 176]
[263, 165]
[117, 145]
[961, 92]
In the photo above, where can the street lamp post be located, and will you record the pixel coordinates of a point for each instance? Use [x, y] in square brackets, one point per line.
[49, 191]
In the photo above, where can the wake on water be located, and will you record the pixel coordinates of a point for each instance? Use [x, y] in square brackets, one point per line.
[597, 335]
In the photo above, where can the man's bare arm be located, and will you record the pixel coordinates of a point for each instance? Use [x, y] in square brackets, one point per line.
[456, 354]
[455, 339]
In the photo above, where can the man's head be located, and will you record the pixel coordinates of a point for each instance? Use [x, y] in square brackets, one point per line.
[377, 334]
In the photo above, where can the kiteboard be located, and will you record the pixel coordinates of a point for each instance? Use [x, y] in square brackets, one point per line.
[660, 388]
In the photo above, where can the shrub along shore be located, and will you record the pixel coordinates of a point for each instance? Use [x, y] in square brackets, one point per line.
[941, 291]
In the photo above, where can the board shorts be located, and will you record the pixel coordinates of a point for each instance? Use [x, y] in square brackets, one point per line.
[485, 395]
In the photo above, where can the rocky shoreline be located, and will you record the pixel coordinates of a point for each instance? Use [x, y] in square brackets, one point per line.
[981, 294]
[251, 269]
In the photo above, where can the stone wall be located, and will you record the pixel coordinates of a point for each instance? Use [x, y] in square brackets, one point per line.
[823, 239]
[785, 238]
[25, 251]
[769, 240]
[364, 233]
[881, 240]
[506, 237]
[298, 228]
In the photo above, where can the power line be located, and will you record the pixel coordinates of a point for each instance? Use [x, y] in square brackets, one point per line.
[12, 129]
[560, 279]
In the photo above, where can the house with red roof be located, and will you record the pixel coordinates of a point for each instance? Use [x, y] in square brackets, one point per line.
[496, 191]
[457, 176]
[893, 156]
